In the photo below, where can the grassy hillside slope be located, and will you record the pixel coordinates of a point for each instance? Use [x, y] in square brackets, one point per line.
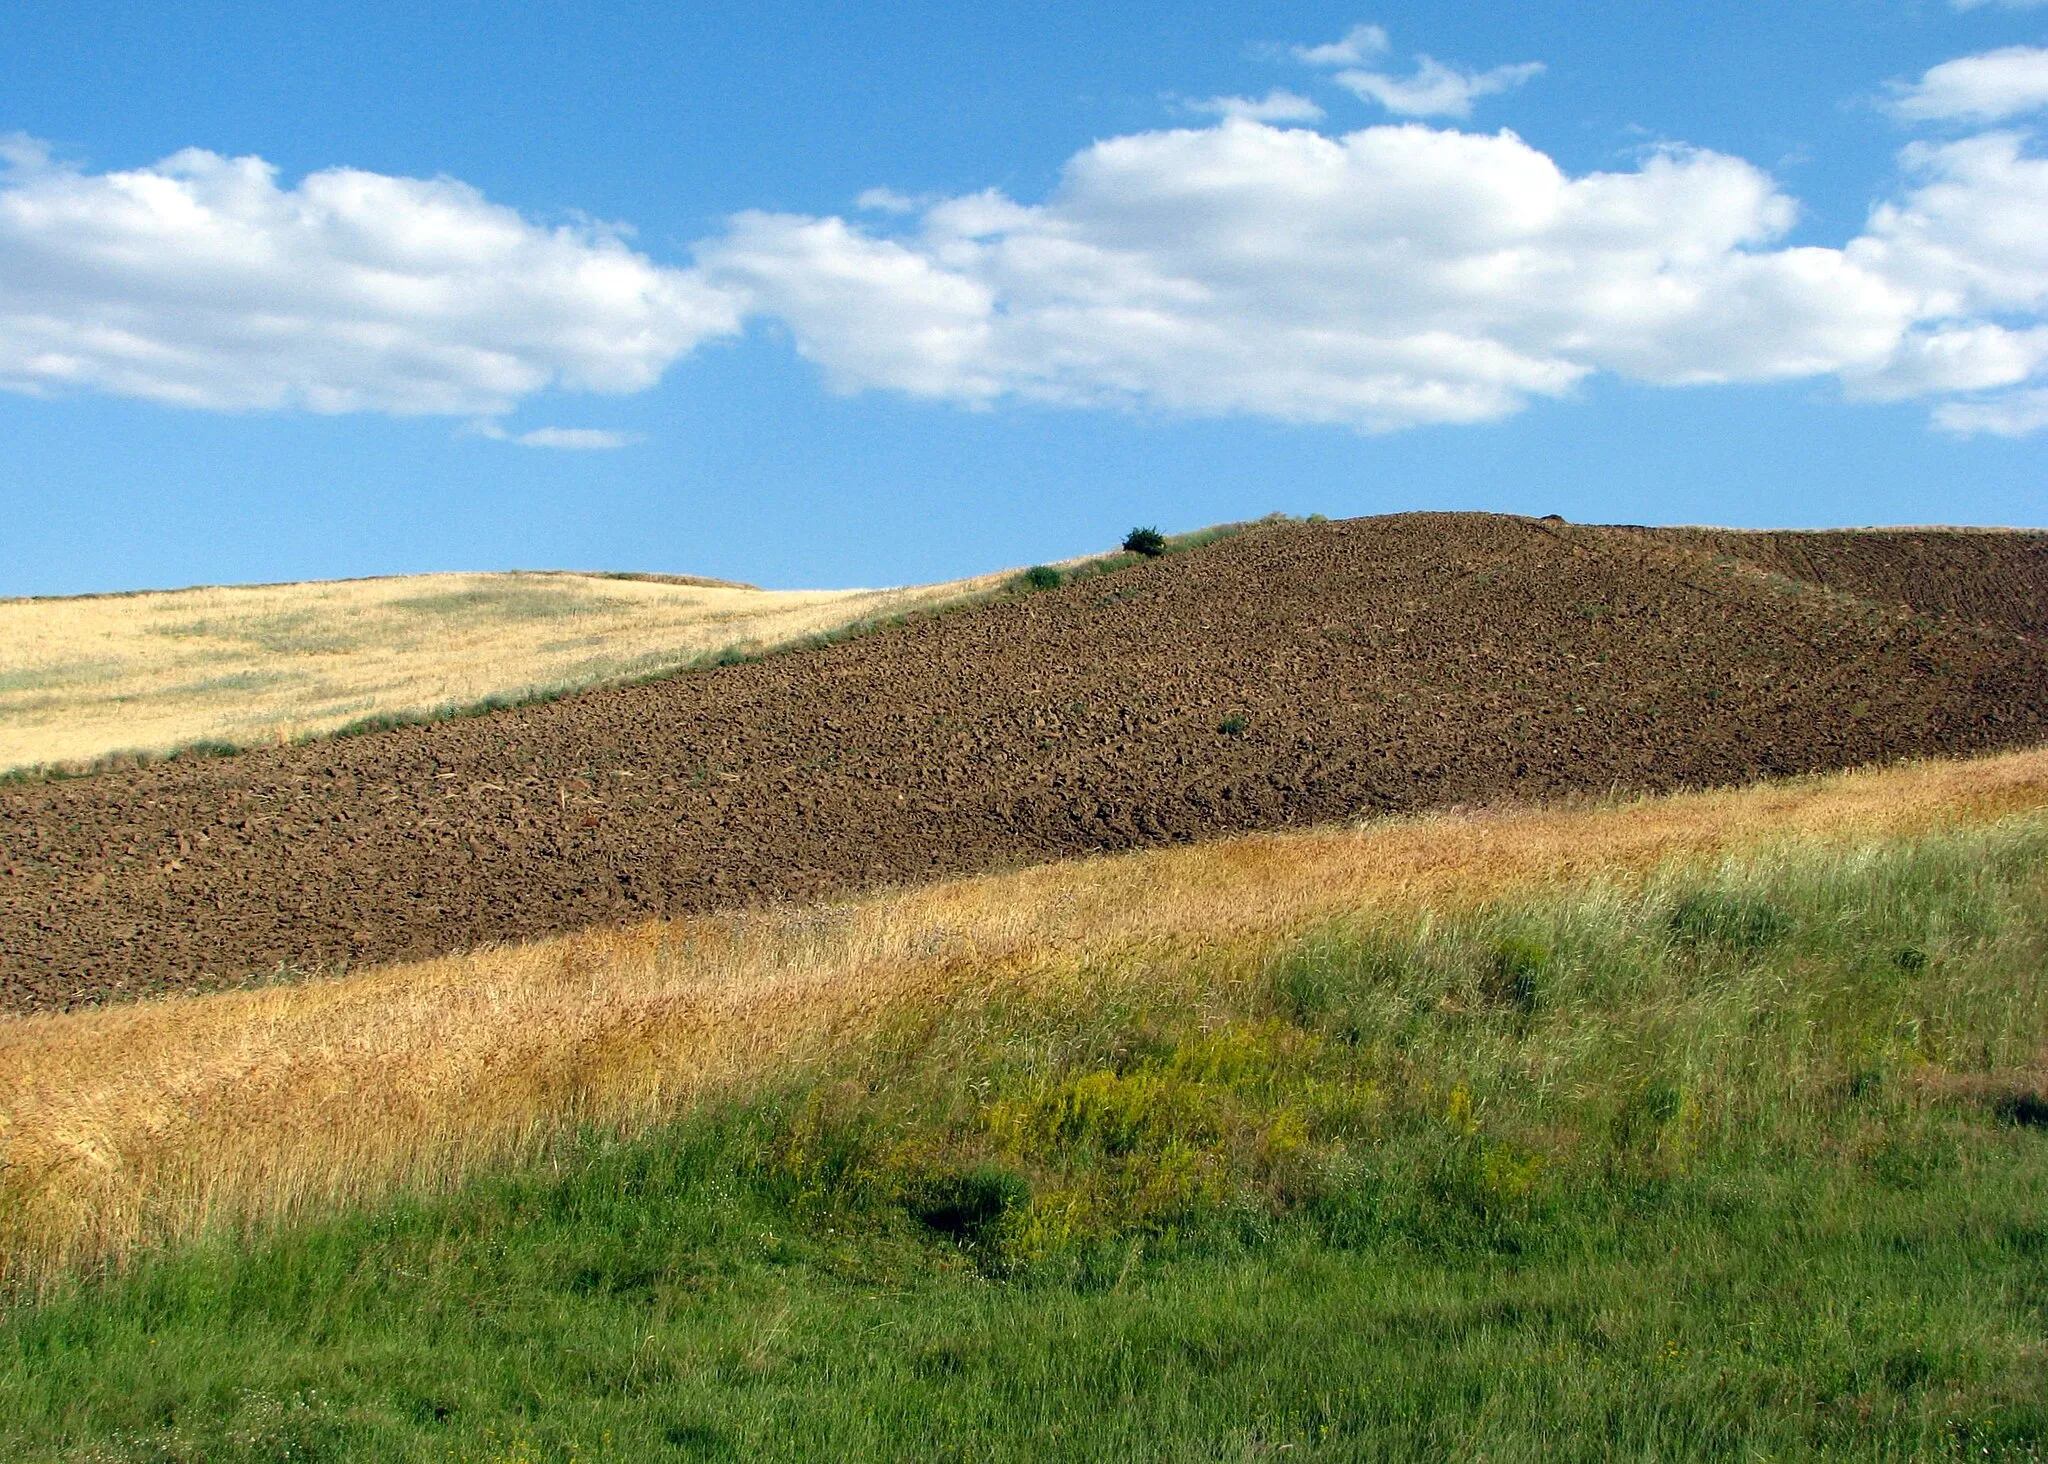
[143, 1123]
[1701, 1127]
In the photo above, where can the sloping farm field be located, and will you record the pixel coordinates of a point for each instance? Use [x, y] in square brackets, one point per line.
[1293, 675]
[91, 678]
[1982, 577]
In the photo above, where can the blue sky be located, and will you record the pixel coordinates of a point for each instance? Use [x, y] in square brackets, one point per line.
[876, 293]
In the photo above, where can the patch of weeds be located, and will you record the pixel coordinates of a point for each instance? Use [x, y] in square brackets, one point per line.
[1243, 1121]
[823, 1156]
[971, 1206]
[1042, 577]
[1105, 564]
[1146, 541]
[1655, 1129]
[388, 721]
[1199, 538]
[697, 1440]
[238, 681]
[1902, 1163]
[1488, 1188]
[1170, 1135]
[52, 678]
[515, 601]
[1232, 726]
[204, 748]
[308, 632]
[1306, 988]
[1514, 976]
[1732, 922]
[2026, 1110]
[118, 762]
[1319, 984]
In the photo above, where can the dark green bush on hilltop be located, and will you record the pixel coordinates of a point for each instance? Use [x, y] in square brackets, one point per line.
[1148, 542]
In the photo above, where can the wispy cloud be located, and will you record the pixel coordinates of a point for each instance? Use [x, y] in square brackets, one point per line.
[2016, 414]
[1277, 105]
[888, 200]
[1989, 87]
[1433, 89]
[1360, 44]
[567, 439]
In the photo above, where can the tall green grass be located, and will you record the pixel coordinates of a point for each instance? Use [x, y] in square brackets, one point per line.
[1749, 1164]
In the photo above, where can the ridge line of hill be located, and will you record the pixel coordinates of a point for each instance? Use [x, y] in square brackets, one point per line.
[949, 596]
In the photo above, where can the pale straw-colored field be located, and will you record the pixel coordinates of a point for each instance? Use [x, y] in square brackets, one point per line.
[95, 677]
[140, 1124]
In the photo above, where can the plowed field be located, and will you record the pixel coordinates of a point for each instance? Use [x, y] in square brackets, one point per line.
[1984, 577]
[1294, 674]
[95, 678]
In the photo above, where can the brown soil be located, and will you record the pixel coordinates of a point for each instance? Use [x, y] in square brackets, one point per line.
[1984, 576]
[1294, 674]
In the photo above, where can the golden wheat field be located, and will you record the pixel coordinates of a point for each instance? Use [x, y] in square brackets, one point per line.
[94, 677]
[140, 1124]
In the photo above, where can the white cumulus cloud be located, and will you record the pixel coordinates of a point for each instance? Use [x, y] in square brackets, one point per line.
[1394, 276]
[1989, 87]
[871, 312]
[1411, 274]
[1966, 241]
[1969, 236]
[1397, 276]
[201, 281]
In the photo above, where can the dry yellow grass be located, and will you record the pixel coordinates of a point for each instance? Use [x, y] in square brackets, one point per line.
[97, 676]
[135, 1125]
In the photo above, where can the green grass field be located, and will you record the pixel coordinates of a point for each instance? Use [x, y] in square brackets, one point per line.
[1752, 1163]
